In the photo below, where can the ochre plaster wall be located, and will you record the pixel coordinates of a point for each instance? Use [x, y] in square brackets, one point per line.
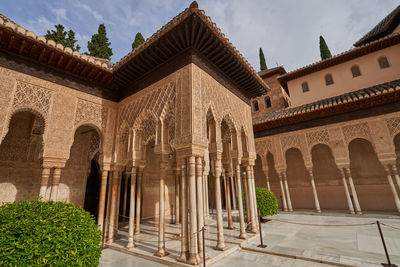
[371, 74]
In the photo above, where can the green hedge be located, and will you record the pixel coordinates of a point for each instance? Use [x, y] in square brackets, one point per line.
[266, 202]
[36, 233]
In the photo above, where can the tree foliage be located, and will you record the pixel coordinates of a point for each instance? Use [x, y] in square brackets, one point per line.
[263, 64]
[324, 49]
[138, 41]
[36, 233]
[99, 46]
[59, 35]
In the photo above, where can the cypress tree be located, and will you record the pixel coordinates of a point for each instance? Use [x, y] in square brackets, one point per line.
[60, 36]
[324, 49]
[99, 46]
[138, 41]
[263, 65]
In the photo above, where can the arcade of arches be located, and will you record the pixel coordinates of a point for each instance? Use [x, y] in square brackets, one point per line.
[349, 166]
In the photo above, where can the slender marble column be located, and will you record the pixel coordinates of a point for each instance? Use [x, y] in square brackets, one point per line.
[118, 201]
[161, 211]
[391, 184]
[125, 196]
[220, 230]
[228, 200]
[102, 200]
[131, 224]
[242, 234]
[252, 212]
[43, 183]
[207, 203]
[138, 199]
[346, 191]
[56, 182]
[113, 207]
[200, 214]
[193, 250]
[353, 191]
[288, 199]
[203, 180]
[233, 190]
[283, 194]
[314, 189]
[396, 175]
[184, 234]
[177, 206]
[253, 182]
[268, 184]
[246, 197]
[108, 206]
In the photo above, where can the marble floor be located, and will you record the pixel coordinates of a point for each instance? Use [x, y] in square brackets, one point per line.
[341, 239]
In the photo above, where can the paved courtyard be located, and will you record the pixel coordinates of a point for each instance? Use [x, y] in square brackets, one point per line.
[336, 239]
[358, 245]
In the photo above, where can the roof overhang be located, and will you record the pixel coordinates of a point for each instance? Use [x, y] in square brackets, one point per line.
[361, 99]
[190, 30]
[25, 44]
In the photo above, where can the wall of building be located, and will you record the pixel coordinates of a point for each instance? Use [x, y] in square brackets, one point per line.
[371, 74]
[277, 96]
[365, 145]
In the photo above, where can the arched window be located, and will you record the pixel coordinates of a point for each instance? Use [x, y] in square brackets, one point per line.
[383, 62]
[267, 102]
[355, 71]
[304, 86]
[255, 105]
[328, 79]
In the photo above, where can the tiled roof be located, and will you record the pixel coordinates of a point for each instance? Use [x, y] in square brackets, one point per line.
[320, 105]
[11, 25]
[268, 72]
[384, 27]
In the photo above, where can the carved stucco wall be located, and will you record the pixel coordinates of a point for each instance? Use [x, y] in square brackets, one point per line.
[63, 109]
[378, 130]
[208, 93]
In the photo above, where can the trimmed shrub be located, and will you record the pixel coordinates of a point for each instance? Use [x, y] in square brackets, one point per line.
[36, 233]
[266, 202]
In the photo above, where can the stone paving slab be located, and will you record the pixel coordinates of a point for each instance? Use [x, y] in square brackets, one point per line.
[353, 245]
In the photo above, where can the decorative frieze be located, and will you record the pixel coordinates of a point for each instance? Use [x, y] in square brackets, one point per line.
[29, 96]
[393, 125]
[356, 130]
[91, 112]
[317, 137]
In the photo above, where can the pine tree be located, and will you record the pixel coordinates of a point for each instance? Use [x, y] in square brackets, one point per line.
[324, 49]
[263, 65]
[138, 41]
[60, 36]
[99, 46]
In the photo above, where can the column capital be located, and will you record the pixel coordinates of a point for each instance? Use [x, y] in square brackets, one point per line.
[51, 162]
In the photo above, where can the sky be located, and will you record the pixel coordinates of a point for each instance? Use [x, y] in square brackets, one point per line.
[287, 30]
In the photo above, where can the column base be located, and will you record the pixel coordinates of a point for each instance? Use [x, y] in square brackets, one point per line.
[243, 236]
[359, 212]
[221, 247]
[137, 232]
[161, 253]
[182, 257]
[194, 259]
[231, 227]
[352, 212]
[318, 211]
[285, 209]
[291, 210]
[130, 245]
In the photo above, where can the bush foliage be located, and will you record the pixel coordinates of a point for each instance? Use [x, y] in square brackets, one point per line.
[266, 202]
[36, 233]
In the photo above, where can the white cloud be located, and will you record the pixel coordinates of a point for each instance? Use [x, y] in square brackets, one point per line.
[60, 13]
